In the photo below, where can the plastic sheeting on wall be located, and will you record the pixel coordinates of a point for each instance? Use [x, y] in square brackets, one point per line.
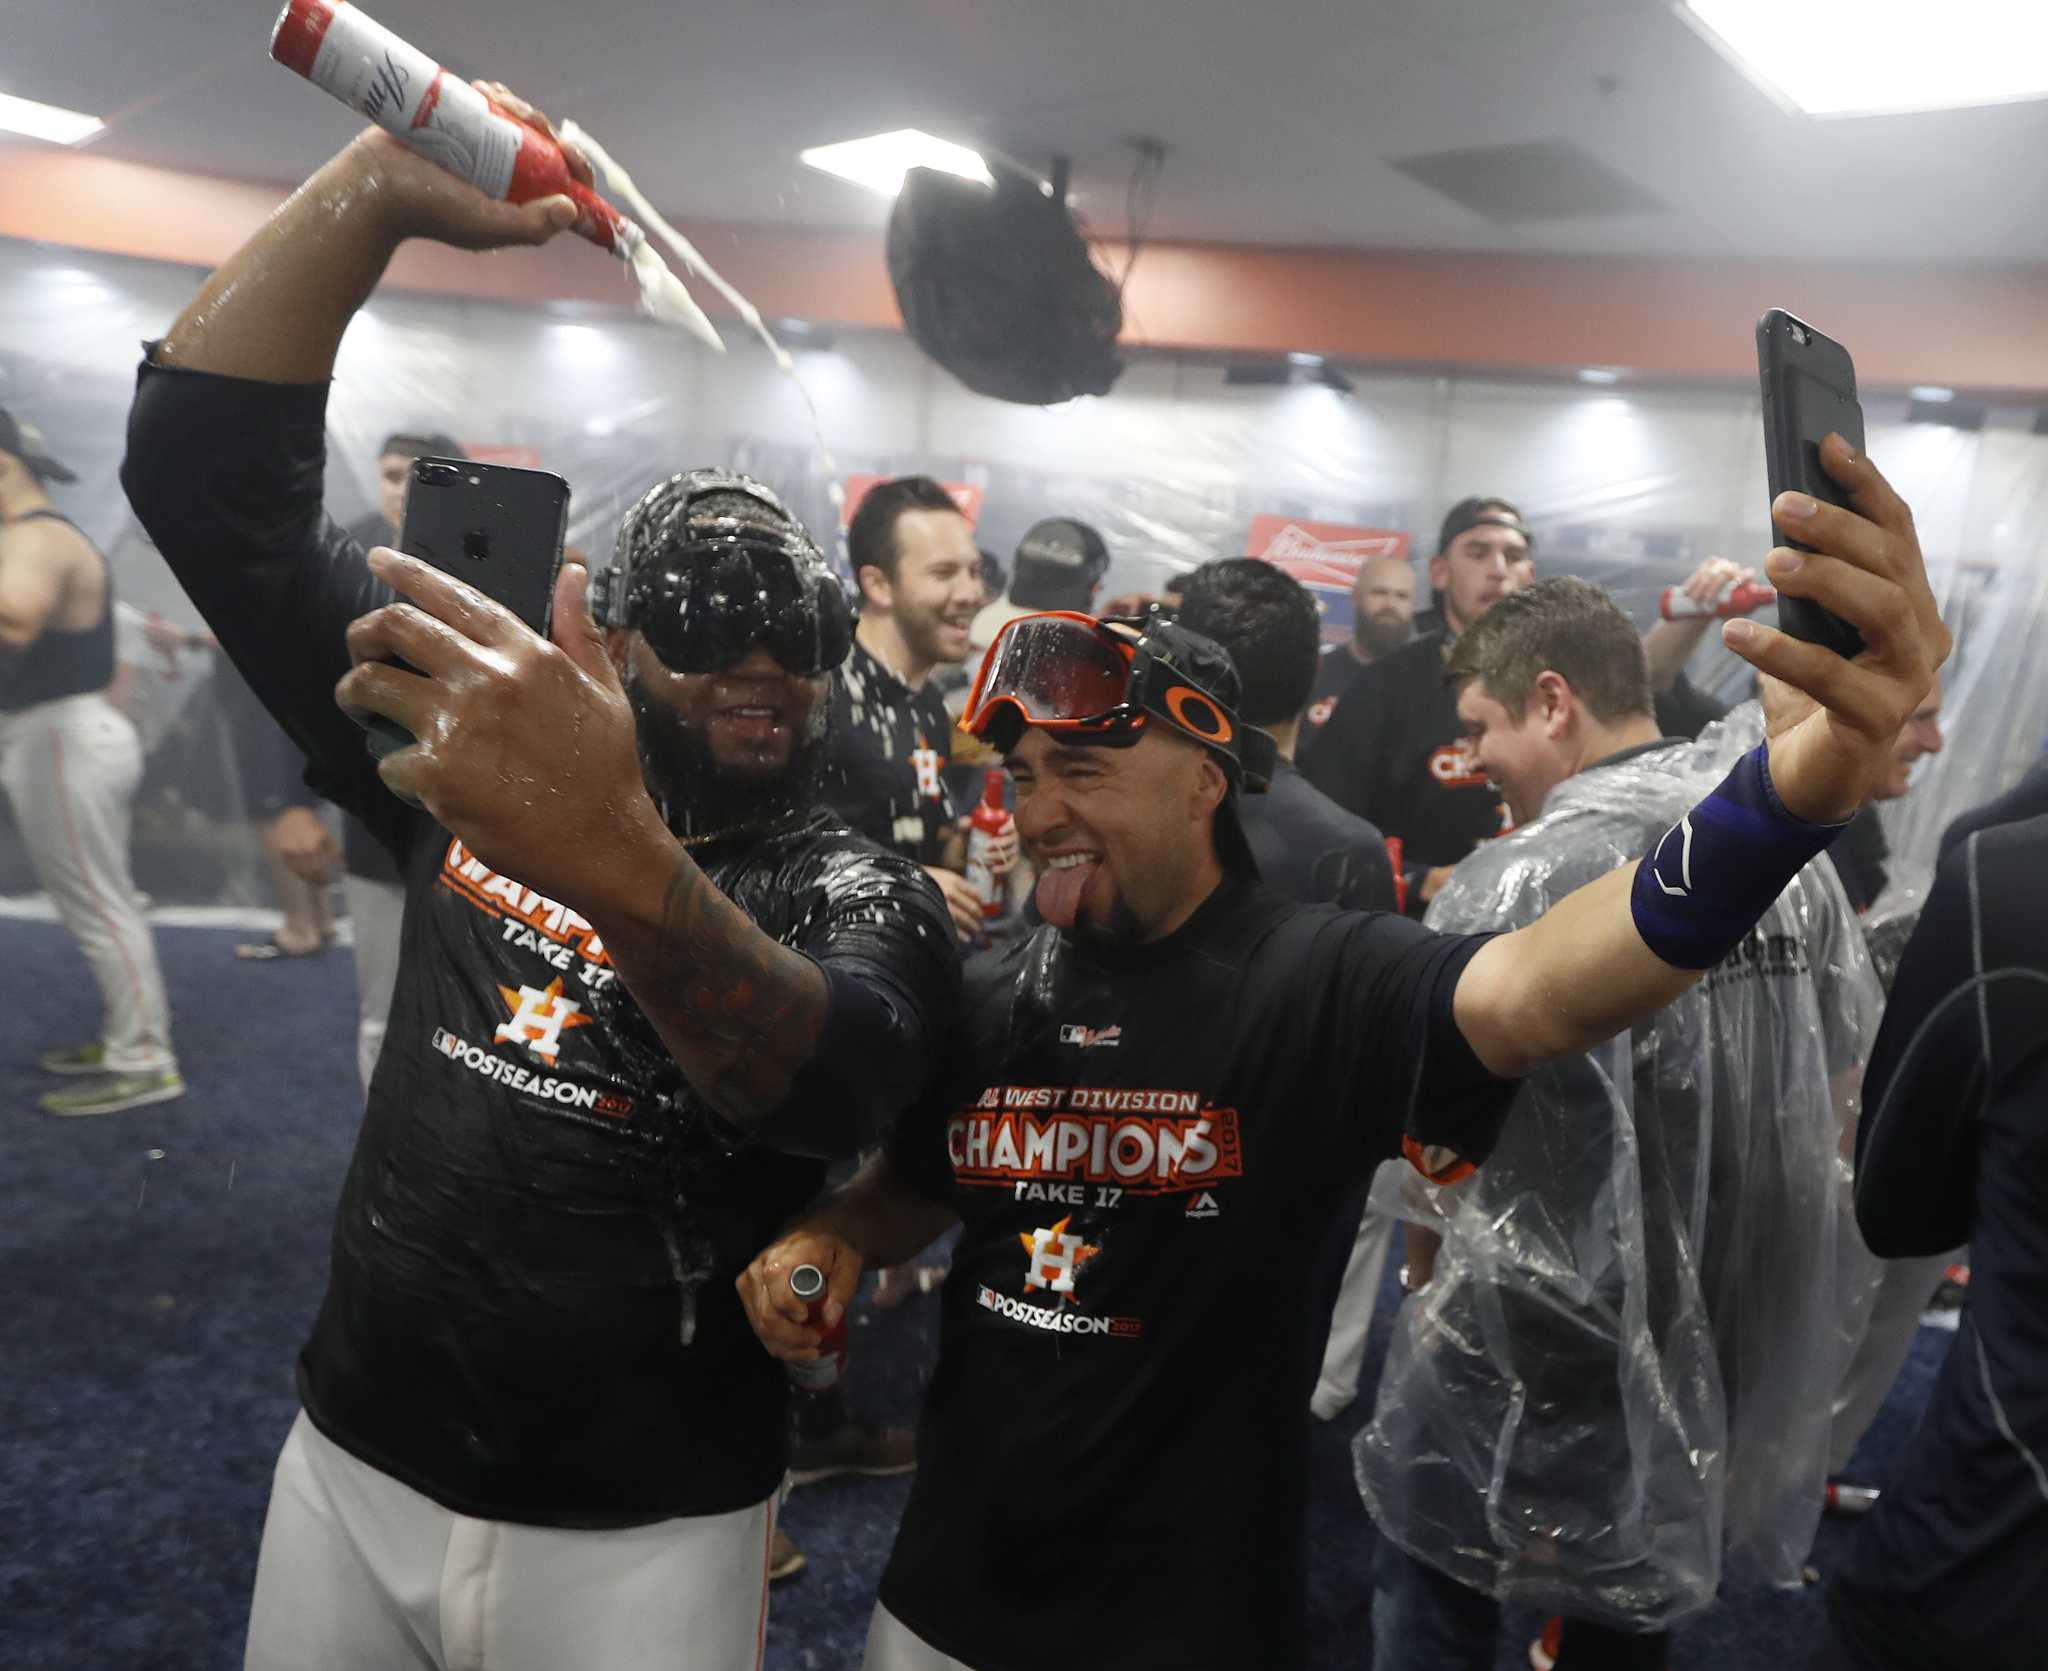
[1630, 488]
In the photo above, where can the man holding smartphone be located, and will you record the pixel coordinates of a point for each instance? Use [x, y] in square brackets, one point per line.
[646, 991]
[1111, 1458]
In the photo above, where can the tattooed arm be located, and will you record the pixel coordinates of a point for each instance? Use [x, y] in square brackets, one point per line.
[812, 1048]
[740, 1013]
[808, 1048]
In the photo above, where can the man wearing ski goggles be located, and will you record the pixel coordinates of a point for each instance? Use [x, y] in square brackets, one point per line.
[1086, 685]
[1154, 1104]
[733, 586]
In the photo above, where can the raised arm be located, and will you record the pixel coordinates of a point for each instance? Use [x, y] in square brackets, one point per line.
[1669, 645]
[1628, 944]
[275, 311]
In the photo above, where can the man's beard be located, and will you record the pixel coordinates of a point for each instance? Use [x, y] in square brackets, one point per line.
[699, 797]
[1379, 634]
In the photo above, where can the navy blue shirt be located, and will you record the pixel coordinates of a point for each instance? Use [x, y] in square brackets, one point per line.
[1950, 1569]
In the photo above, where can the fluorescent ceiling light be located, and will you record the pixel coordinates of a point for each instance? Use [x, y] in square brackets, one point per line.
[880, 161]
[1598, 374]
[1869, 57]
[1931, 391]
[47, 121]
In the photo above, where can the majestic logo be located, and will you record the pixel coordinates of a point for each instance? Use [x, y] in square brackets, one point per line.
[1092, 1038]
[1055, 1257]
[1204, 1206]
[1683, 830]
[1456, 766]
[1320, 711]
[539, 1019]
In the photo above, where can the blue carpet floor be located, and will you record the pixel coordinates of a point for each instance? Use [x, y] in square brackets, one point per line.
[158, 1270]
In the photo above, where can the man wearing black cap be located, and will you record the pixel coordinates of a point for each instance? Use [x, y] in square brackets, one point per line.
[1059, 564]
[646, 990]
[70, 762]
[1156, 1102]
[1394, 751]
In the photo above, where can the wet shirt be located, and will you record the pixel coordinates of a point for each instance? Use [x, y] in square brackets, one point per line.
[530, 1314]
[886, 757]
[1145, 1148]
[1395, 753]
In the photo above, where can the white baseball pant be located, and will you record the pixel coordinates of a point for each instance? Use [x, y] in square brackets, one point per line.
[360, 1572]
[894, 1646]
[376, 914]
[1351, 1320]
[71, 768]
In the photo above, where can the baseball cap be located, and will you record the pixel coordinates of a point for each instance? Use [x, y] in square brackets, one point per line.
[26, 442]
[1482, 511]
[1077, 676]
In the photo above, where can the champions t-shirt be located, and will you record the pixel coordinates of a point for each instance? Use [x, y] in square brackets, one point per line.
[886, 758]
[1145, 1148]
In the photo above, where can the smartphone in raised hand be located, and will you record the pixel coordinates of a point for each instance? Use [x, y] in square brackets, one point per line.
[494, 527]
[1809, 390]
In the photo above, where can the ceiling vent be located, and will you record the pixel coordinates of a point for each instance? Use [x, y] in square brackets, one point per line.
[1545, 180]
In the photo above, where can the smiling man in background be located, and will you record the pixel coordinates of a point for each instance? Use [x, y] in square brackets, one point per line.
[914, 560]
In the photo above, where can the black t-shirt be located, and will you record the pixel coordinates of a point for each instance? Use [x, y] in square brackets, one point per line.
[1336, 668]
[371, 529]
[1312, 850]
[2027, 798]
[59, 661]
[530, 1314]
[1685, 710]
[1145, 1149]
[1395, 753]
[886, 758]
[1861, 857]
[1952, 1147]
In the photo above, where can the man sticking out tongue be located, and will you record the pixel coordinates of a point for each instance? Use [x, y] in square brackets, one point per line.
[1155, 1104]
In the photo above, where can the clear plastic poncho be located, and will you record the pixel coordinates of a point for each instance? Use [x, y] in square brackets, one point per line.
[1623, 1363]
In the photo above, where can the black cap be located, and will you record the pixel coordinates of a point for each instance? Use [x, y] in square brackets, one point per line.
[26, 443]
[1482, 511]
[1202, 661]
[1059, 563]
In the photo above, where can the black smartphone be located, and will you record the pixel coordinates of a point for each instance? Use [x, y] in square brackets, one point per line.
[1809, 389]
[497, 528]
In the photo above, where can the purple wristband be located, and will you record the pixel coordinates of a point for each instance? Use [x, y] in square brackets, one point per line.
[1704, 886]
